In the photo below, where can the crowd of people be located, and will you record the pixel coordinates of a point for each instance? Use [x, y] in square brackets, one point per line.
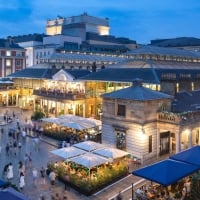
[20, 166]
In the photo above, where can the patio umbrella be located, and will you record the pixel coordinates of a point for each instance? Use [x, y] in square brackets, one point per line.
[68, 152]
[3, 183]
[53, 120]
[111, 153]
[11, 194]
[74, 125]
[88, 145]
[190, 155]
[166, 172]
[89, 160]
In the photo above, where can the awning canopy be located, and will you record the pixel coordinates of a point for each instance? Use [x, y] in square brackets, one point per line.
[191, 155]
[166, 172]
[68, 152]
[89, 160]
[75, 122]
[3, 183]
[88, 145]
[111, 153]
[11, 194]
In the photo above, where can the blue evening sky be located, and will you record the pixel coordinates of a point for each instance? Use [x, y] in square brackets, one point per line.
[140, 20]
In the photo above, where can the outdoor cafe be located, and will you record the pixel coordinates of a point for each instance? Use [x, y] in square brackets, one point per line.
[72, 128]
[89, 165]
[177, 177]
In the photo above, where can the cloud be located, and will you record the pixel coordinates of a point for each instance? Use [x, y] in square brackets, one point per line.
[141, 20]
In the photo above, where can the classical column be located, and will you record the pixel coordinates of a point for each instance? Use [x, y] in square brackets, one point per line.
[158, 143]
[56, 109]
[7, 99]
[65, 109]
[178, 135]
[83, 109]
[17, 99]
[3, 67]
[190, 139]
[13, 66]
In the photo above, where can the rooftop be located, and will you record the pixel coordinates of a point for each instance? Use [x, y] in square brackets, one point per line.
[155, 50]
[137, 93]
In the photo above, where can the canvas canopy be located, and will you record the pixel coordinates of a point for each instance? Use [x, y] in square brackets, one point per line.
[75, 122]
[52, 120]
[89, 160]
[191, 155]
[111, 153]
[166, 172]
[3, 183]
[68, 152]
[88, 145]
[11, 194]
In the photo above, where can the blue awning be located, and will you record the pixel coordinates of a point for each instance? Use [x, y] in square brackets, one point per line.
[11, 194]
[166, 172]
[191, 155]
[3, 183]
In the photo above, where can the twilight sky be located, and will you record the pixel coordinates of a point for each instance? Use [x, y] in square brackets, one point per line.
[140, 20]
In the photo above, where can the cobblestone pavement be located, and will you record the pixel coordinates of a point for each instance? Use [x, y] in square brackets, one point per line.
[41, 158]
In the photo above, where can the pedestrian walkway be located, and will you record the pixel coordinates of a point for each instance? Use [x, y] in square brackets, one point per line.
[40, 159]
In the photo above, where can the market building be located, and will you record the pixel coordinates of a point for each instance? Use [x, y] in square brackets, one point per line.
[140, 121]
[76, 91]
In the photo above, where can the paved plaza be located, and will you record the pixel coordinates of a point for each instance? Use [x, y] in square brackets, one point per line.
[40, 158]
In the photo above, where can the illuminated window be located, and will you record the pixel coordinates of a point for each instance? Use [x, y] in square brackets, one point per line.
[8, 53]
[8, 62]
[121, 140]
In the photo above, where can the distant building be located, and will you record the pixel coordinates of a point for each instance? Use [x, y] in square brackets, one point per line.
[78, 26]
[188, 43]
[76, 34]
[29, 42]
[12, 57]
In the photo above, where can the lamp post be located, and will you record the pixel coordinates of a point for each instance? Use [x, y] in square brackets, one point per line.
[100, 115]
[133, 194]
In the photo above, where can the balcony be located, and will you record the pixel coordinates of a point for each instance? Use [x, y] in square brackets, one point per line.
[185, 118]
[57, 94]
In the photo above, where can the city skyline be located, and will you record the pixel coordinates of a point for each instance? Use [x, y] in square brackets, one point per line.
[137, 20]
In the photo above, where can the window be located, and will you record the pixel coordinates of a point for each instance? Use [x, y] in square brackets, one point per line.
[150, 143]
[8, 62]
[8, 71]
[121, 140]
[18, 62]
[121, 110]
[8, 53]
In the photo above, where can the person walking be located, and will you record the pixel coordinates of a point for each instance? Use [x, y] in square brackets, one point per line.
[42, 172]
[7, 149]
[35, 176]
[21, 168]
[10, 174]
[52, 177]
[21, 181]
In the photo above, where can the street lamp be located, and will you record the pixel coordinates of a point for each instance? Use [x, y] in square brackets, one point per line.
[100, 115]
[133, 193]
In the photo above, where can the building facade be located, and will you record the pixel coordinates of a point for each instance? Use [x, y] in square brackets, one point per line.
[12, 57]
[78, 25]
[140, 121]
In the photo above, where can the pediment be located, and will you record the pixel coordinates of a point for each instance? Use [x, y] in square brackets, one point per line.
[63, 76]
